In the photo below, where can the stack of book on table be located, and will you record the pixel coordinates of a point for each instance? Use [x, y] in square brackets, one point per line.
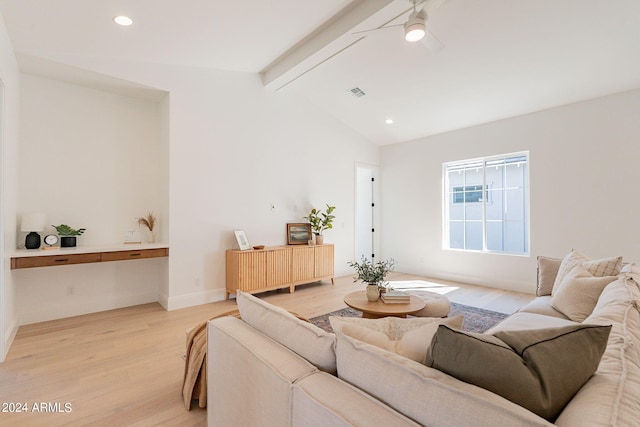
[395, 297]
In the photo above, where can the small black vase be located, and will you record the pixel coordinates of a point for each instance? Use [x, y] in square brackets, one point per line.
[32, 240]
[67, 241]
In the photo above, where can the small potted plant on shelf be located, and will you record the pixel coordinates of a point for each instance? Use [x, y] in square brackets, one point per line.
[373, 274]
[320, 221]
[68, 235]
[149, 222]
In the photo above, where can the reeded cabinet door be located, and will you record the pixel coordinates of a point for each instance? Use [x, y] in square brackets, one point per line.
[323, 261]
[278, 267]
[302, 265]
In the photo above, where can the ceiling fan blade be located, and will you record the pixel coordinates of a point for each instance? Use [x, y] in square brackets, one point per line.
[431, 42]
[431, 6]
[377, 29]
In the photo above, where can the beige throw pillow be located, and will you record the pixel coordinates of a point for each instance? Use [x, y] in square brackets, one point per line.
[407, 337]
[599, 267]
[578, 293]
[303, 338]
[547, 272]
[540, 370]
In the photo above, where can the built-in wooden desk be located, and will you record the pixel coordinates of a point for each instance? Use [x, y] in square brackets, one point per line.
[29, 258]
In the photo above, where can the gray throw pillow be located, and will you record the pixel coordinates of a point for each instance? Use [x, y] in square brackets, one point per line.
[540, 370]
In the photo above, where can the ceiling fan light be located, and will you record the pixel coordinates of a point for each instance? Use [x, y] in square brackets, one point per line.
[123, 20]
[414, 29]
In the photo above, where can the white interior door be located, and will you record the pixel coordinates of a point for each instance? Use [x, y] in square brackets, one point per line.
[366, 241]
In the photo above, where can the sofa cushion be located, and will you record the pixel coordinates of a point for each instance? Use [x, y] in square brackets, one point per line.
[542, 305]
[599, 267]
[524, 321]
[578, 293]
[612, 396]
[407, 337]
[547, 272]
[540, 370]
[305, 339]
[427, 396]
[322, 400]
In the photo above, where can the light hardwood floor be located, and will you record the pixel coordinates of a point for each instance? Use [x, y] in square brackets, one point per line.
[124, 367]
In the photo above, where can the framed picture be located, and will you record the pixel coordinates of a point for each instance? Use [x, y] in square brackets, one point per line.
[298, 233]
[242, 240]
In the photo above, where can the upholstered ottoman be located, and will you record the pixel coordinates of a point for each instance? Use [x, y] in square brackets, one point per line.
[437, 305]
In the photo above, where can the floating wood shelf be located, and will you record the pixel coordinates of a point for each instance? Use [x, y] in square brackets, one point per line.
[30, 258]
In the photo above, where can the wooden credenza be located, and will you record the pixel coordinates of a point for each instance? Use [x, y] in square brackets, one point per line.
[277, 267]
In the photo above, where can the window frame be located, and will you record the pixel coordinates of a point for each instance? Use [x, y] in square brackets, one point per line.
[448, 201]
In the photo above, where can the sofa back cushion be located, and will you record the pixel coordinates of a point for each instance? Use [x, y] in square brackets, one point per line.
[612, 396]
[303, 338]
[540, 370]
[547, 272]
[428, 396]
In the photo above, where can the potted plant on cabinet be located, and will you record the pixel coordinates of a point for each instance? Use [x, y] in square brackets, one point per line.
[68, 235]
[320, 221]
[373, 274]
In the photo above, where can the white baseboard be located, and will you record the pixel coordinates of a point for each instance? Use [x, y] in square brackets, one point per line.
[190, 300]
[10, 335]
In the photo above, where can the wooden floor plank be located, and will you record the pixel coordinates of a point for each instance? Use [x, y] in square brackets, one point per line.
[125, 366]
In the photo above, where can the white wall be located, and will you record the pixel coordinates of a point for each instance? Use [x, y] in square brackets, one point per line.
[96, 160]
[10, 110]
[583, 174]
[236, 148]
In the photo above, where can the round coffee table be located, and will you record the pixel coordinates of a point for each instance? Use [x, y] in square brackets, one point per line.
[374, 310]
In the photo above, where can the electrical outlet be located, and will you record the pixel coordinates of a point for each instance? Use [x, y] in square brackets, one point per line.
[71, 290]
[196, 282]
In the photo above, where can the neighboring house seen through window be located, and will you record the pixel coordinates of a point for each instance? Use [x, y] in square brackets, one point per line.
[486, 204]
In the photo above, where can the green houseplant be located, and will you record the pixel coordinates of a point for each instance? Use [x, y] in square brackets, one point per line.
[320, 221]
[68, 235]
[373, 274]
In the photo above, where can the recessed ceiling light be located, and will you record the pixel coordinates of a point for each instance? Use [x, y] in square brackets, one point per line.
[123, 20]
[389, 121]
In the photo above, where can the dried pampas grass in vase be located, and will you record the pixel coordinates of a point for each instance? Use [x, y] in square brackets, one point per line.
[149, 221]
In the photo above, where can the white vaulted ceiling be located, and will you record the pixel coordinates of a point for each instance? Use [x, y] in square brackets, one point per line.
[501, 58]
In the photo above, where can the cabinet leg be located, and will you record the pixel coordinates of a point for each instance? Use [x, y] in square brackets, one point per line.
[332, 282]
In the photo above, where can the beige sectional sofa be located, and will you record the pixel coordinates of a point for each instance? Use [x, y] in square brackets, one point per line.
[271, 369]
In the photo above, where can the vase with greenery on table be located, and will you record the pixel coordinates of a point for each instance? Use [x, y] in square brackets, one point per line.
[373, 274]
[68, 235]
[320, 221]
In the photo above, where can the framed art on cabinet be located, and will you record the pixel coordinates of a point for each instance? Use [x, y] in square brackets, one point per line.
[242, 240]
[298, 233]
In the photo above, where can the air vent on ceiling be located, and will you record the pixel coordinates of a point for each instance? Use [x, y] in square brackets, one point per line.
[357, 92]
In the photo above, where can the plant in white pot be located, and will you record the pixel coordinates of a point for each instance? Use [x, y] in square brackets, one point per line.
[68, 235]
[320, 221]
[373, 274]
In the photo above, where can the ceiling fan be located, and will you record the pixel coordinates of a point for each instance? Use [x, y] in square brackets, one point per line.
[415, 26]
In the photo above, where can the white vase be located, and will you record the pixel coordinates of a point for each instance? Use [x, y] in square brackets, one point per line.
[373, 293]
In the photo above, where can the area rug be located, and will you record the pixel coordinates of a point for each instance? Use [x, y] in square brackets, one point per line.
[475, 319]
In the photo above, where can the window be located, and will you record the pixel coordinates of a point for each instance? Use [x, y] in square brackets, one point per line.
[493, 220]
